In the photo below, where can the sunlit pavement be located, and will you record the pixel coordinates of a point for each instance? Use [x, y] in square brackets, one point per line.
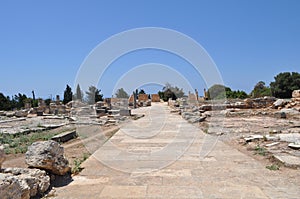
[161, 156]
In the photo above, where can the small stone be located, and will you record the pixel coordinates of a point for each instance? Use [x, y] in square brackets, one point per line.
[294, 146]
[280, 114]
[275, 131]
[289, 111]
[272, 138]
[195, 119]
[272, 144]
[253, 137]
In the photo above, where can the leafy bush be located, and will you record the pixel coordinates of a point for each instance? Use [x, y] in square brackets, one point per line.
[260, 90]
[260, 150]
[218, 91]
[284, 84]
[121, 93]
[273, 167]
[170, 92]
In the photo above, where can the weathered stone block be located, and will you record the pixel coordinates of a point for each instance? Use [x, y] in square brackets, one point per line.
[125, 112]
[64, 137]
[47, 155]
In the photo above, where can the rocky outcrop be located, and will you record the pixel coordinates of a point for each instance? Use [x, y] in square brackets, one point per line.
[294, 103]
[194, 116]
[2, 155]
[21, 113]
[280, 103]
[23, 183]
[296, 94]
[49, 156]
[10, 187]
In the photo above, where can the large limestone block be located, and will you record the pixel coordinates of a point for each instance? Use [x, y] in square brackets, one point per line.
[47, 155]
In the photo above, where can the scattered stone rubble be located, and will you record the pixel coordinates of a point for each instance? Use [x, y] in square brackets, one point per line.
[111, 111]
[23, 183]
[291, 105]
[44, 159]
[267, 122]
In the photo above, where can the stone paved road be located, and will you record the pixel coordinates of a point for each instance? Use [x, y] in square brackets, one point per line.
[161, 156]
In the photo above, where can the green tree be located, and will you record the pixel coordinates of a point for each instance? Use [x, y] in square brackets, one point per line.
[177, 91]
[142, 91]
[161, 94]
[93, 95]
[240, 94]
[68, 94]
[19, 100]
[284, 84]
[170, 92]
[260, 90]
[218, 91]
[121, 93]
[235, 94]
[79, 94]
[5, 103]
[48, 101]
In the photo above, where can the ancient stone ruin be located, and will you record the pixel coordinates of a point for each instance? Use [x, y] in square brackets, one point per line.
[44, 158]
[267, 123]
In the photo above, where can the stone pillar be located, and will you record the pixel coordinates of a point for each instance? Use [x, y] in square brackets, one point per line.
[205, 94]
[197, 94]
[2, 155]
[57, 101]
[134, 99]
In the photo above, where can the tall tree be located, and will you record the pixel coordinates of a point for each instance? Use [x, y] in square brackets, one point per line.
[18, 101]
[218, 91]
[79, 93]
[170, 92]
[93, 95]
[5, 103]
[142, 91]
[260, 90]
[68, 94]
[284, 84]
[177, 91]
[121, 93]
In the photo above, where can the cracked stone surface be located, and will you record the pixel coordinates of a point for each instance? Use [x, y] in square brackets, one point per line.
[163, 156]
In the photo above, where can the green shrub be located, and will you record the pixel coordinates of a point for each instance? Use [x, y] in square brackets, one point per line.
[273, 167]
[260, 150]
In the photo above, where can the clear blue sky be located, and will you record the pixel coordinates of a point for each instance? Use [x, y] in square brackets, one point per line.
[43, 43]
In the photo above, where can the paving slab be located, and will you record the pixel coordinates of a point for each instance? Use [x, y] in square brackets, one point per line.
[163, 156]
[288, 160]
